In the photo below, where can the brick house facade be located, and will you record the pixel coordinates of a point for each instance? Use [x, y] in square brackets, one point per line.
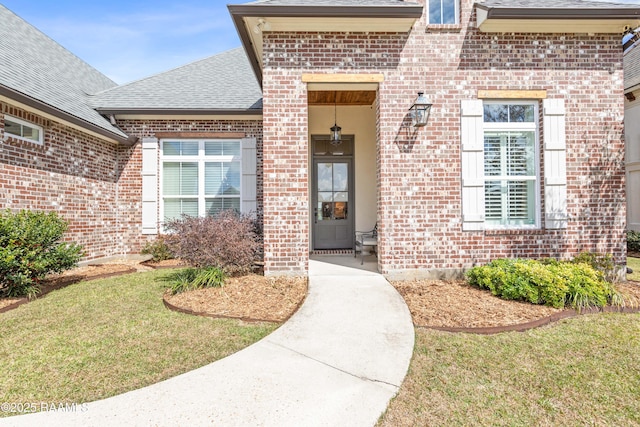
[424, 187]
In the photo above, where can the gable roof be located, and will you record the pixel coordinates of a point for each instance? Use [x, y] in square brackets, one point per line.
[318, 15]
[222, 83]
[38, 72]
[632, 69]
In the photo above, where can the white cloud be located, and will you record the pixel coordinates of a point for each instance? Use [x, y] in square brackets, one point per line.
[132, 46]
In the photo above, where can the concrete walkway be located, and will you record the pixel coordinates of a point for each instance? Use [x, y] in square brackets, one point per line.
[337, 361]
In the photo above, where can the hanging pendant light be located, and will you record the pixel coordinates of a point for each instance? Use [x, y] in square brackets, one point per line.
[335, 137]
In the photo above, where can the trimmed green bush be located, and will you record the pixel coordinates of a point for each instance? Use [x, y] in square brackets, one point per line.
[550, 282]
[633, 241]
[189, 279]
[30, 248]
[158, 249]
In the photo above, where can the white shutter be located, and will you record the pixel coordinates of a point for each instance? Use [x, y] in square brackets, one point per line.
[249, 177]
[472, 165]
[149, 185]
[555, 169]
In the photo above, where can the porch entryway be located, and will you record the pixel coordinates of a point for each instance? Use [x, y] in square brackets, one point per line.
[342, 176]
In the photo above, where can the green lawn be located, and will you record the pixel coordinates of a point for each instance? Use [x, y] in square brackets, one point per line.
[582, 371]
[96, 339]
[634, 263]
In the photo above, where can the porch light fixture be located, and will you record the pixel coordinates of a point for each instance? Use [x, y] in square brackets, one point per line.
[335, 137]
[420, 110]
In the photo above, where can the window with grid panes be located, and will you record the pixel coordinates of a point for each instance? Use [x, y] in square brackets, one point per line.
[511, 164]
[200, 177]
[443, 11]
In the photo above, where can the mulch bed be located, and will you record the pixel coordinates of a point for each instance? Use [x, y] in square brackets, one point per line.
[455, 306]
[251, 297]
[444, 305]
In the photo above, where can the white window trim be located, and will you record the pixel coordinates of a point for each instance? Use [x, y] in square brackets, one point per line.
[21, 122]
[201, 159]
[518, 126]
[456, 12]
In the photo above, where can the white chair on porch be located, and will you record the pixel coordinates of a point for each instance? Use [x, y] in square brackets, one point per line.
[365, 238]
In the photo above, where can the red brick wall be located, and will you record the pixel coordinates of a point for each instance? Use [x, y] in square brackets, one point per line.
[93, 184]
[130, 164]
[72, 173]
[419, 185]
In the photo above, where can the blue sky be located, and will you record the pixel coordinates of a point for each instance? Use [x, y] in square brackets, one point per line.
[129, 40]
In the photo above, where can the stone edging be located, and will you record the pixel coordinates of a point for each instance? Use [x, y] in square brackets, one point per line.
[65, 283]
[520, 327]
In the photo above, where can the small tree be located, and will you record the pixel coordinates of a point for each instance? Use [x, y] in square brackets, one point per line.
[30, 248]
[227, 240]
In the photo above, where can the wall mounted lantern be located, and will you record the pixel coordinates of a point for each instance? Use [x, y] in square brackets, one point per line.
[335, 137]
[420, 110]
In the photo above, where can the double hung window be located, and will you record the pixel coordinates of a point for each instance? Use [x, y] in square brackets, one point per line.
[511, 165]
[200, 177]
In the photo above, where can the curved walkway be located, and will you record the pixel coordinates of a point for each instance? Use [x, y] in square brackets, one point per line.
[337, 361]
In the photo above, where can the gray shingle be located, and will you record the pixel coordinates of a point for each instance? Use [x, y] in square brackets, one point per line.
[220, 82]
[36, 66]
[557, 4]
[315, 3]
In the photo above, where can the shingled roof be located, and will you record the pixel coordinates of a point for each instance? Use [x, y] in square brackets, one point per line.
[348, 3]
[37, 71]
[557, 4]
[222, 83]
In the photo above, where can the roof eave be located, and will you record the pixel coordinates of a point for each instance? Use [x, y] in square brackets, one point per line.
[559, 13]
[240, 12]
[67, 117]
[555, 20]
[408, 11]
[180, 111]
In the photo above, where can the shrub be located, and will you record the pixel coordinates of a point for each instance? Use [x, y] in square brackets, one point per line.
[554, 283]
[633, 241]
[30, 248]
[195, 278]
[227, 240]
[157, 248]
[601, 262]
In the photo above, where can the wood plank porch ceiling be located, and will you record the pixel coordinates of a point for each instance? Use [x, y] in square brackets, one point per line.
[345, 97]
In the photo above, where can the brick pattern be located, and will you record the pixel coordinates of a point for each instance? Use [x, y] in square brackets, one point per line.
[286, 175]
[130, 166]
[419, 185]
[72, 173]
[95, 185]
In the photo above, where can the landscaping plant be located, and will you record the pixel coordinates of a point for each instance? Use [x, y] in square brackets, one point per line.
[227, 240]
[633, 241]
[31, 248]
[189, 279]
[549, 282]
[158, 249]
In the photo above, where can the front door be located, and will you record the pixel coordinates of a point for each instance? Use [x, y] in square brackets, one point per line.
[333, 201]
